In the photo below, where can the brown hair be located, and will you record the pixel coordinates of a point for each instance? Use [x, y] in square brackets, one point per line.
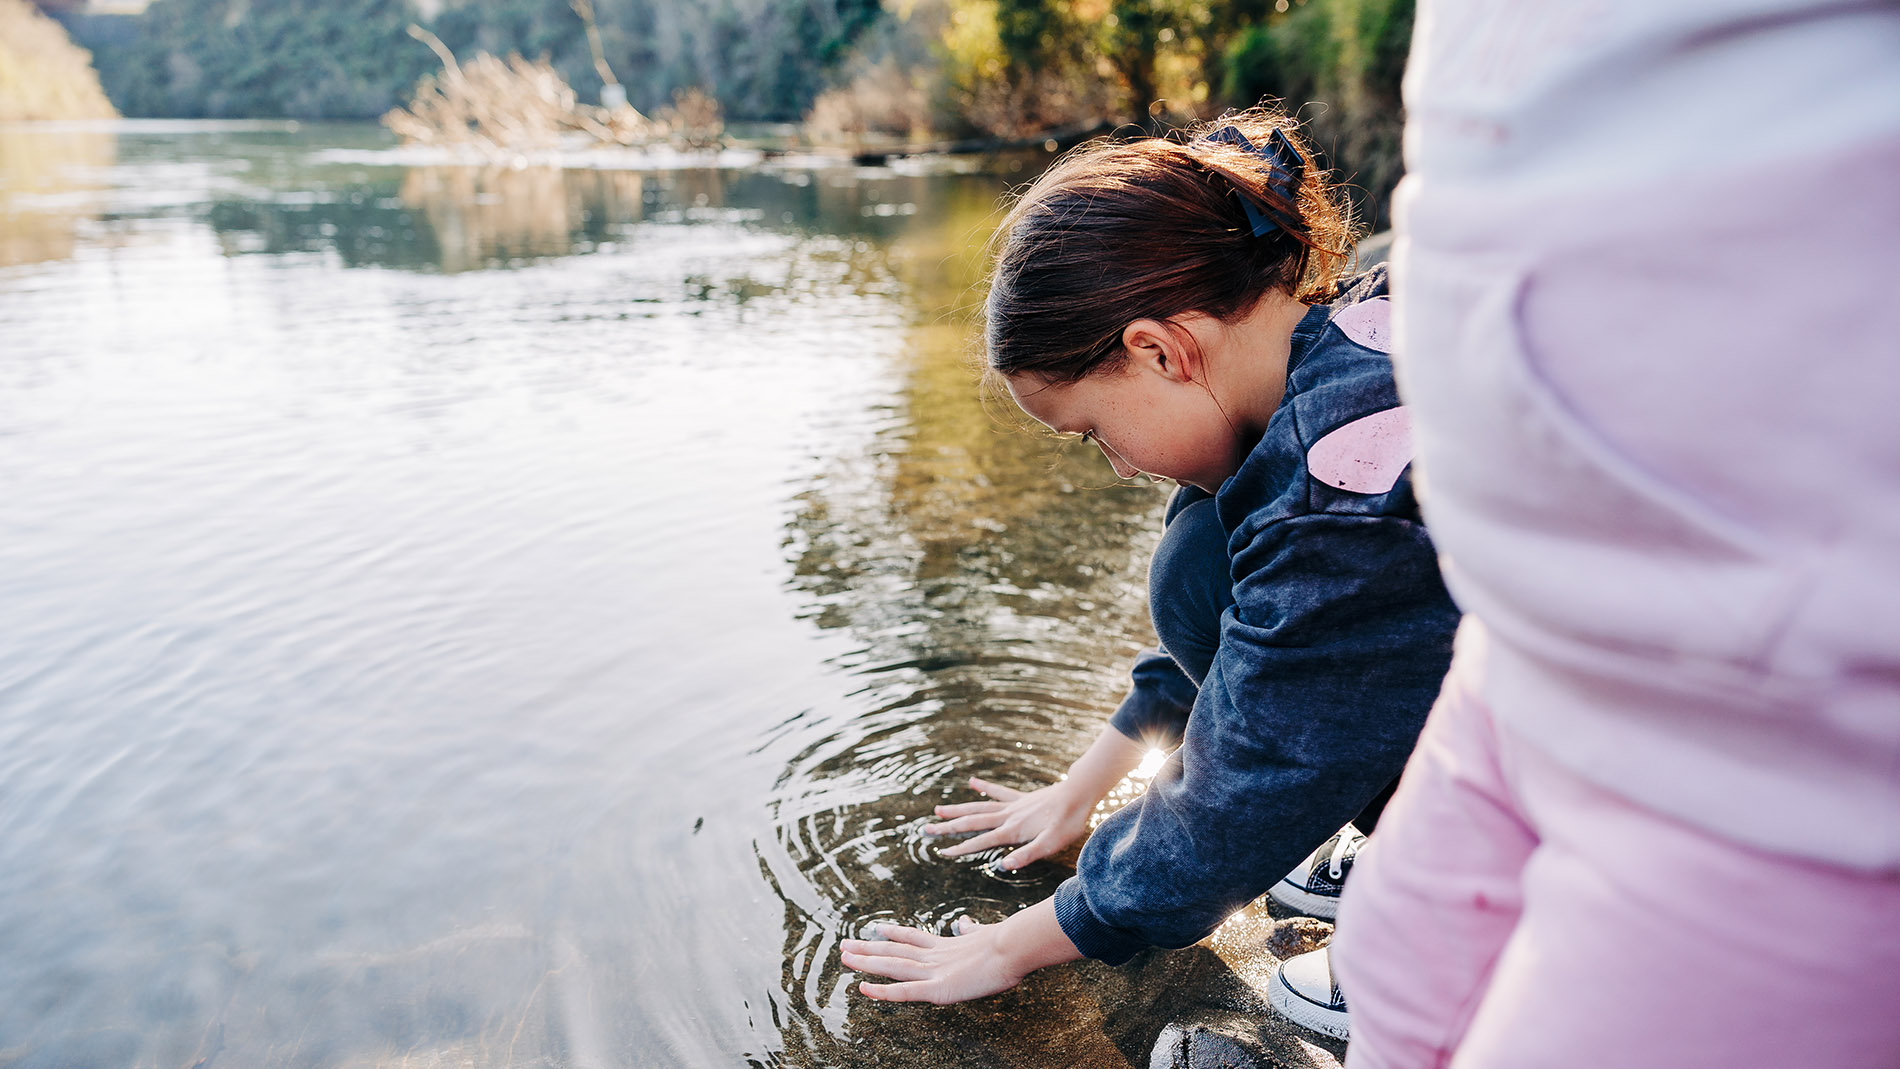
[1117, 231]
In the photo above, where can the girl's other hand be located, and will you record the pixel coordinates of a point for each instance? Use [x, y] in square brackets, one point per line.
[1046, 820]
[932, 968]
[982, 960]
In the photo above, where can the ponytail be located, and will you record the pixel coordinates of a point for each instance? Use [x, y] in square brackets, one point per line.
[1155, 228]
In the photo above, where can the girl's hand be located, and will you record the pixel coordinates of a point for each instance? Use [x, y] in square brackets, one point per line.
[1047, 820]
[932, 968]
[984, 959]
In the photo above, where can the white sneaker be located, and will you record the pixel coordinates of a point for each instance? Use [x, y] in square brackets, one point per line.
[1314, 887]
[1302, 988]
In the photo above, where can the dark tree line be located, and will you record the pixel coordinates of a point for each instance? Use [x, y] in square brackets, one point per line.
[337, 59]
[858, 68]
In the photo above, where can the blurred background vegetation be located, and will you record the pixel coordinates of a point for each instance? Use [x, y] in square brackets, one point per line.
[851, 71]
[42, 75]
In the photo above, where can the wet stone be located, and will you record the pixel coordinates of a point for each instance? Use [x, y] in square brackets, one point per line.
[1231, 1041]
[1293, 936]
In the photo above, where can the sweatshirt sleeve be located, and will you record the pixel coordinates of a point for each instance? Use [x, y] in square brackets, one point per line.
[1160, 695]
[1328, 662]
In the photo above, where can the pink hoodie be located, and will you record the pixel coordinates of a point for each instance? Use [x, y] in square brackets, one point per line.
[1649, 329]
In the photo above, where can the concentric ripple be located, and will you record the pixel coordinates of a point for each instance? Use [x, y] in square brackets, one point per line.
[993, 601]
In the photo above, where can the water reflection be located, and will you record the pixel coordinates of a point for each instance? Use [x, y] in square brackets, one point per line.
[990, 582]
[481, 216]
[457, 219]
[48, 186]
[451, 219]
[522, 617]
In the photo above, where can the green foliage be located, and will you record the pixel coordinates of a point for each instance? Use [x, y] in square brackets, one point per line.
[1291, 57]
[1007, 68]
[1027, 29]
[1129, 38]
[763, 59]
[1338, 63]
[1010, 68]
[232, 59]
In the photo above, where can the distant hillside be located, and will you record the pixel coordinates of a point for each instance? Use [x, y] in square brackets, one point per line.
[43, 75]
[352, 59]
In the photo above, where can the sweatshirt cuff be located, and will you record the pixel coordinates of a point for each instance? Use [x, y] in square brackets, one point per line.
[1155, 709]
[1138, 715]
[1094, 938]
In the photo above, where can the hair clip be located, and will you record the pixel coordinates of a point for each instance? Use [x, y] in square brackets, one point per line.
[1286, 168]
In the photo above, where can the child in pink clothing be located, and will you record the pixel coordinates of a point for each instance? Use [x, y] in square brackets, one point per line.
[1517, 916]
[1647, 331]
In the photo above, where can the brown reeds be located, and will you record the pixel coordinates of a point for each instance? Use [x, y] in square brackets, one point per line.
[503, 107]
[43, 75]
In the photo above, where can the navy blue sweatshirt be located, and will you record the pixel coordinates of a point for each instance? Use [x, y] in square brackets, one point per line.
[1328, 661]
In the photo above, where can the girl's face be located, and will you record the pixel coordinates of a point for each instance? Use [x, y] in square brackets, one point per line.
[1145, 420]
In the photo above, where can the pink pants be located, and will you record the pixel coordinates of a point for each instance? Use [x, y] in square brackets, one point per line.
[1509, 914]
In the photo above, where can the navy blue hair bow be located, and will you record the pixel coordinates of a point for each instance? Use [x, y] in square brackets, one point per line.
[1285, 170]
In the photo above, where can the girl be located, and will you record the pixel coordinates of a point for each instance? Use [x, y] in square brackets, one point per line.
[1656, 396]
[1179, 304]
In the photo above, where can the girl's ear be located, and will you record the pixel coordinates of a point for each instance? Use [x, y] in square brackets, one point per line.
[1164, 348]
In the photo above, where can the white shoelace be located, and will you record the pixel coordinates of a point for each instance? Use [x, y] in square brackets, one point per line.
[1335, 867]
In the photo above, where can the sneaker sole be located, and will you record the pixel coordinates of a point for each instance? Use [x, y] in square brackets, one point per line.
[1305, 1012]
[1325, 907]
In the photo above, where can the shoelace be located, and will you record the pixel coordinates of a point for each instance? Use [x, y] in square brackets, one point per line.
[1335, 867]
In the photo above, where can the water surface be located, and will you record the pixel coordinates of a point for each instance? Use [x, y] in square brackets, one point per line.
[498, 617]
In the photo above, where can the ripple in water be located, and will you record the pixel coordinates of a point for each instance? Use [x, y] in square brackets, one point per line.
[850, 853]
[994, 608]
[357, 710]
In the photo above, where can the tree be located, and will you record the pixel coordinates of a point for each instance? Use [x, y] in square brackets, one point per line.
[763, 59]
[225, 59]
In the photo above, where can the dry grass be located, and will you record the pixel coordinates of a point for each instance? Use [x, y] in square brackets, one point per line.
[505, 106]
[694, 120]
[43, 75]
[881, 102]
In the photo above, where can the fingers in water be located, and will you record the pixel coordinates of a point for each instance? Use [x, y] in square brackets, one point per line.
[890, 968]
[964, 809]
[1035, 850]
[965, 825]
[994, 790]
[989, 840]
[880, 949]
[897, 933]
[911, 992]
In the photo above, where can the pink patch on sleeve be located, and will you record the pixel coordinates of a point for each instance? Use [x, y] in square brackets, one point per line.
[1369, 323]
[1366, 456]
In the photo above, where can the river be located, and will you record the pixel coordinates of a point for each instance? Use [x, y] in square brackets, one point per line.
[521, 616]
